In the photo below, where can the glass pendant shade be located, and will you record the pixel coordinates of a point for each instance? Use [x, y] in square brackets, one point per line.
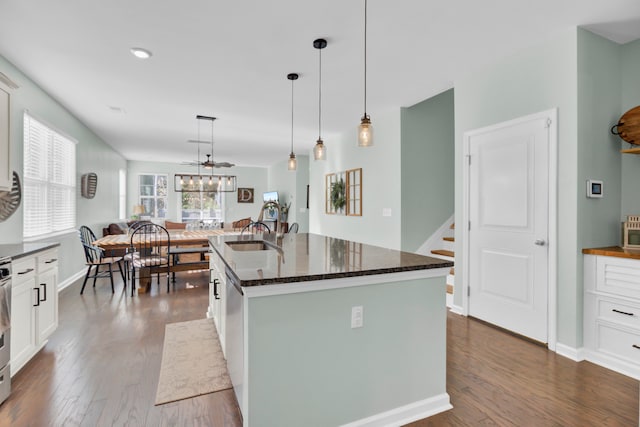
[292, 164]
[365, 132]
[319, 151]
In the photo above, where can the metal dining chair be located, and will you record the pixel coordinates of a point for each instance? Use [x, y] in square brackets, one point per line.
[293, 228]
[95, 257]
[255, 227]
[150, 245]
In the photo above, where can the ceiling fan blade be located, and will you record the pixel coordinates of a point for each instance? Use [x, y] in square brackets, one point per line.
[224, 165]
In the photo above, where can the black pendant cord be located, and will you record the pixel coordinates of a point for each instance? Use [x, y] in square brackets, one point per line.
[212, 161]
[292, 116]
[365, 58]
[319, 94]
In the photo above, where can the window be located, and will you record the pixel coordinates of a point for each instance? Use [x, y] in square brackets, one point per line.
[122, 194]
[49, 180]
[153, 195]
[206, 206]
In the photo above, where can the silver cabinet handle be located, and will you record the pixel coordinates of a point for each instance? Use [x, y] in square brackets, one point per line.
[539, 242]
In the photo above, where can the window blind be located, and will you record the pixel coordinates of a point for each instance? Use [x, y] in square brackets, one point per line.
[49, 180]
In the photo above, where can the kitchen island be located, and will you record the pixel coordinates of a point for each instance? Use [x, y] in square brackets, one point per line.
[324, 331]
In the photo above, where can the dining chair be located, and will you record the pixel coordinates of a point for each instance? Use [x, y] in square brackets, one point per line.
[95, 257]
[293, 228]
[256, 227]
[150, 245]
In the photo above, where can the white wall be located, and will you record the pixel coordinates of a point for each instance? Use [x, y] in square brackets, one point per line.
[380, 184]
[247, 177]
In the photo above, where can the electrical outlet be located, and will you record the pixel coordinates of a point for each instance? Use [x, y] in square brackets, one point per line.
[357, 317]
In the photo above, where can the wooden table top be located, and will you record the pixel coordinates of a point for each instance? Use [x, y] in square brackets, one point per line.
[177, 237]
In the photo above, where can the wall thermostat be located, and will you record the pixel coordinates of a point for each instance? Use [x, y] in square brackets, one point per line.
[594, 188]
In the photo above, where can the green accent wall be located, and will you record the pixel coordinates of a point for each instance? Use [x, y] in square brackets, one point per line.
[92, 155]
[427, 168]
[532, 80]
[630, 97]
[598, 222]
[308, 368]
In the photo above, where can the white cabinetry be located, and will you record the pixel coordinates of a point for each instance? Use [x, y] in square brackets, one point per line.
[34, 305]
[5, 158]
[612, 313]
[217, 296]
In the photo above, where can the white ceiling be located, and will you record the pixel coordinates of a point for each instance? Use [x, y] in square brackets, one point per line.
[230, 59]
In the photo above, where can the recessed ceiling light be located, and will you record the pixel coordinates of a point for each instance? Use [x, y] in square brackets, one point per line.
[141, 53]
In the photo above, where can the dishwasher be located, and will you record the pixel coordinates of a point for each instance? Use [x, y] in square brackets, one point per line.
[5, 328]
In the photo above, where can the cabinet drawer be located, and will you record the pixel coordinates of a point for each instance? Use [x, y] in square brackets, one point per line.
[23, 270]
[619, 343]
[618, 276]
[47, 260]
[623, 313]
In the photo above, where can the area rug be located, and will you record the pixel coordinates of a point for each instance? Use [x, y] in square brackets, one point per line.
[192, 362]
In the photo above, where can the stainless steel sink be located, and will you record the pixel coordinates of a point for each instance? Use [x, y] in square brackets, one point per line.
[248, 246]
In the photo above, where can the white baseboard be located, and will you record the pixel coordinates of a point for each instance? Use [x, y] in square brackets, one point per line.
[615, 364]
[577, 355]
[406, 414]
[70, 280]
[456, 309]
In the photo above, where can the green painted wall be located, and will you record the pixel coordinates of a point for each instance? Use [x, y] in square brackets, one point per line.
[598, 222]
[380, 184]
[630, 97]
[247, 177]
[92, 155]
[533, 80]
[427, 168]
[307, 369]
[292, 188]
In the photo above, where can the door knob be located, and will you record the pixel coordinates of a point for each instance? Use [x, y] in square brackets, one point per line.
[539, 242]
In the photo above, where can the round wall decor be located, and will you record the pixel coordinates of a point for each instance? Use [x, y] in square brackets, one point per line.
[10, 200]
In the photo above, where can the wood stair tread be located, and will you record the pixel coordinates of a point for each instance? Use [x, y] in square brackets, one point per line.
[452, 226]
[449, 289]
[443, 252]
[452, 271]
[449, 239]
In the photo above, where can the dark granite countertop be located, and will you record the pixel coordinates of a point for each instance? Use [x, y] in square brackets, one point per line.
[19, 250]
[304, 257]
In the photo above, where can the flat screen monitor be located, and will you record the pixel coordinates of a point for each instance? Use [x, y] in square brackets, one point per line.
[270, 196]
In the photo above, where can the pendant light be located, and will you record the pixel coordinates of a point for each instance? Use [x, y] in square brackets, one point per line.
[319, 151]
[365, 130]
[292, 164]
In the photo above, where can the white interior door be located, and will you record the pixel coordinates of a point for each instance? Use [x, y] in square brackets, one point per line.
[508, 230]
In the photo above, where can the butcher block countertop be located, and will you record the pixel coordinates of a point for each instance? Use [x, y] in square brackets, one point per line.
[615, 251]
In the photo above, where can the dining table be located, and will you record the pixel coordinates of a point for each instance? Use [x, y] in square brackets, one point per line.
[177, 238]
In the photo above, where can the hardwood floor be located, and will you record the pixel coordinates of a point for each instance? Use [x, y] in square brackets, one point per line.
[101, 368]
[497, 379]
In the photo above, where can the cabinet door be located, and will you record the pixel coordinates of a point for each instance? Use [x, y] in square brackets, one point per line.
[5, 158]
[23, 331]
[47, 311]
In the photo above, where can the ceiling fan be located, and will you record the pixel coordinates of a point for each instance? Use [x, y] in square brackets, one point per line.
[209, 163]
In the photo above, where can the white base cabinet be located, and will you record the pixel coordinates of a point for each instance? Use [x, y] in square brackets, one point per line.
[612, 313]
[34, 305]
[217, 296]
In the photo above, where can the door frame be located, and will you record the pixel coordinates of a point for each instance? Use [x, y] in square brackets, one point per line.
[552, 253]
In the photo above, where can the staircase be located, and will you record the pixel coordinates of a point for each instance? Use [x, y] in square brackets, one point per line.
[447, 253]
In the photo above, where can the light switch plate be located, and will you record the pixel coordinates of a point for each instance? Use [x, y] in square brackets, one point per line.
[357, 315]
[386, 211]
